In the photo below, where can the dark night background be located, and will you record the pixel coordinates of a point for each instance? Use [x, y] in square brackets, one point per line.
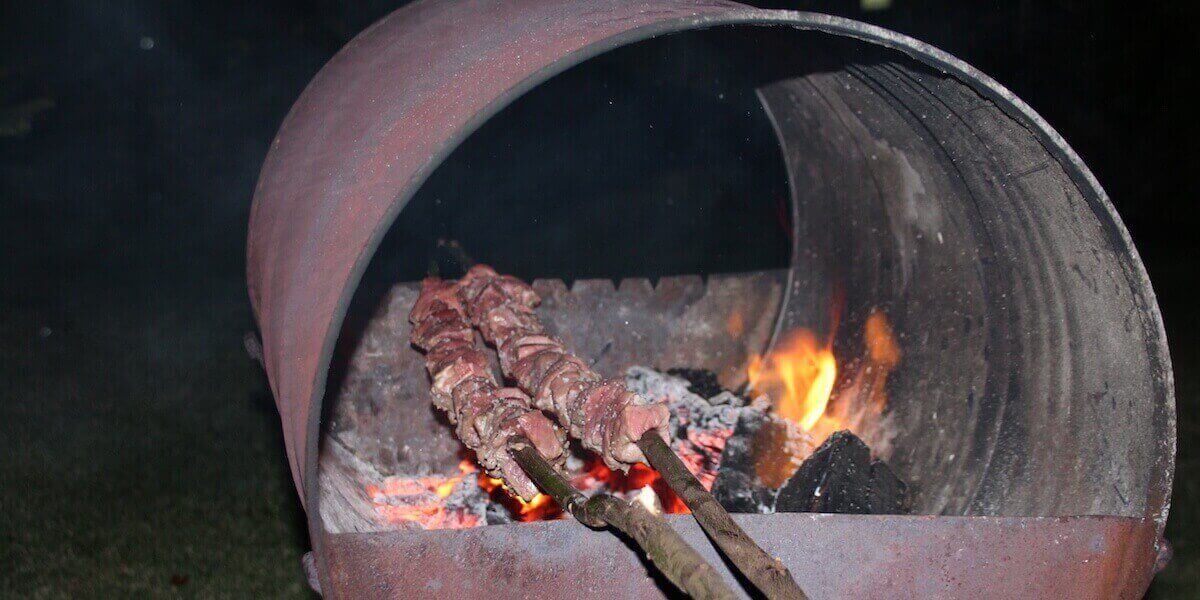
[140, 451]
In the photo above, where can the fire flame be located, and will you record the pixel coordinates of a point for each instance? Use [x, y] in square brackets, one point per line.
[799, 376]
[540, 508]
[803, 378]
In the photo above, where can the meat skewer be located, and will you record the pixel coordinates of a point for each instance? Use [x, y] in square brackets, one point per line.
[622, 427]
[514, 441]
[487, 417]
[604, 416]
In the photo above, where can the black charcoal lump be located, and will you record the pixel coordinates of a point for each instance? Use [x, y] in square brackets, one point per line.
[702, 382]
[841, 477]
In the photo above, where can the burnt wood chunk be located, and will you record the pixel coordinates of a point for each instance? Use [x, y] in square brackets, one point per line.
[701, 382]
[841, 477]
[737, 487]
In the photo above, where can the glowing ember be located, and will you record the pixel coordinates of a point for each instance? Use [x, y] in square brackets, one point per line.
[597, 477]
[701, 453]
[540, 508]
[649, 499]
[423, 501]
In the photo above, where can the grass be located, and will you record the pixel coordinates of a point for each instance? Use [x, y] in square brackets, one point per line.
[141, 454]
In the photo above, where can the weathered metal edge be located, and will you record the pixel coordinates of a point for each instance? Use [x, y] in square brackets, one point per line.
[831, 556]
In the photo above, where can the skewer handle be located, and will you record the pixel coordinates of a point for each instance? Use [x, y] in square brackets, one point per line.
[766, 572]
[682, 565]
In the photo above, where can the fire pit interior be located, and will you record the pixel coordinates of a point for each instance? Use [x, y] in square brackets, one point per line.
[869, 243]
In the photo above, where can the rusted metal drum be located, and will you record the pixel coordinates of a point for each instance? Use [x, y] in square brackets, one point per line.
[386, 111]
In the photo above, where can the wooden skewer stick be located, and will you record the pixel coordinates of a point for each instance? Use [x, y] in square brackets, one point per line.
[682, 565]
[766, 572]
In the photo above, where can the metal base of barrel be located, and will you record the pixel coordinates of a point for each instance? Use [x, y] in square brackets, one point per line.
[831, 556]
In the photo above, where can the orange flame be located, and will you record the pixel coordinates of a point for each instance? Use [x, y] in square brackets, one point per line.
[883, 354]
[802, 377]
[799, 376]
[540, 508]
[882, 348]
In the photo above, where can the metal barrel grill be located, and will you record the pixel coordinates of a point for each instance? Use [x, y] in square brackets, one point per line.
[1034, 410]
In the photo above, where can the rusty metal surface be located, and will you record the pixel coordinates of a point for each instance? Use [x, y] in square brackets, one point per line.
[831, 556]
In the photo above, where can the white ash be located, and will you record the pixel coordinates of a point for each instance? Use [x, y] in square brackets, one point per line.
[700, 428]
[468, 497]
[689, 411]
[498, 515]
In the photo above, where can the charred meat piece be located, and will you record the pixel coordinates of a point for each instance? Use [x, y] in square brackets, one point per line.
[487, 417]
[602, 414]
